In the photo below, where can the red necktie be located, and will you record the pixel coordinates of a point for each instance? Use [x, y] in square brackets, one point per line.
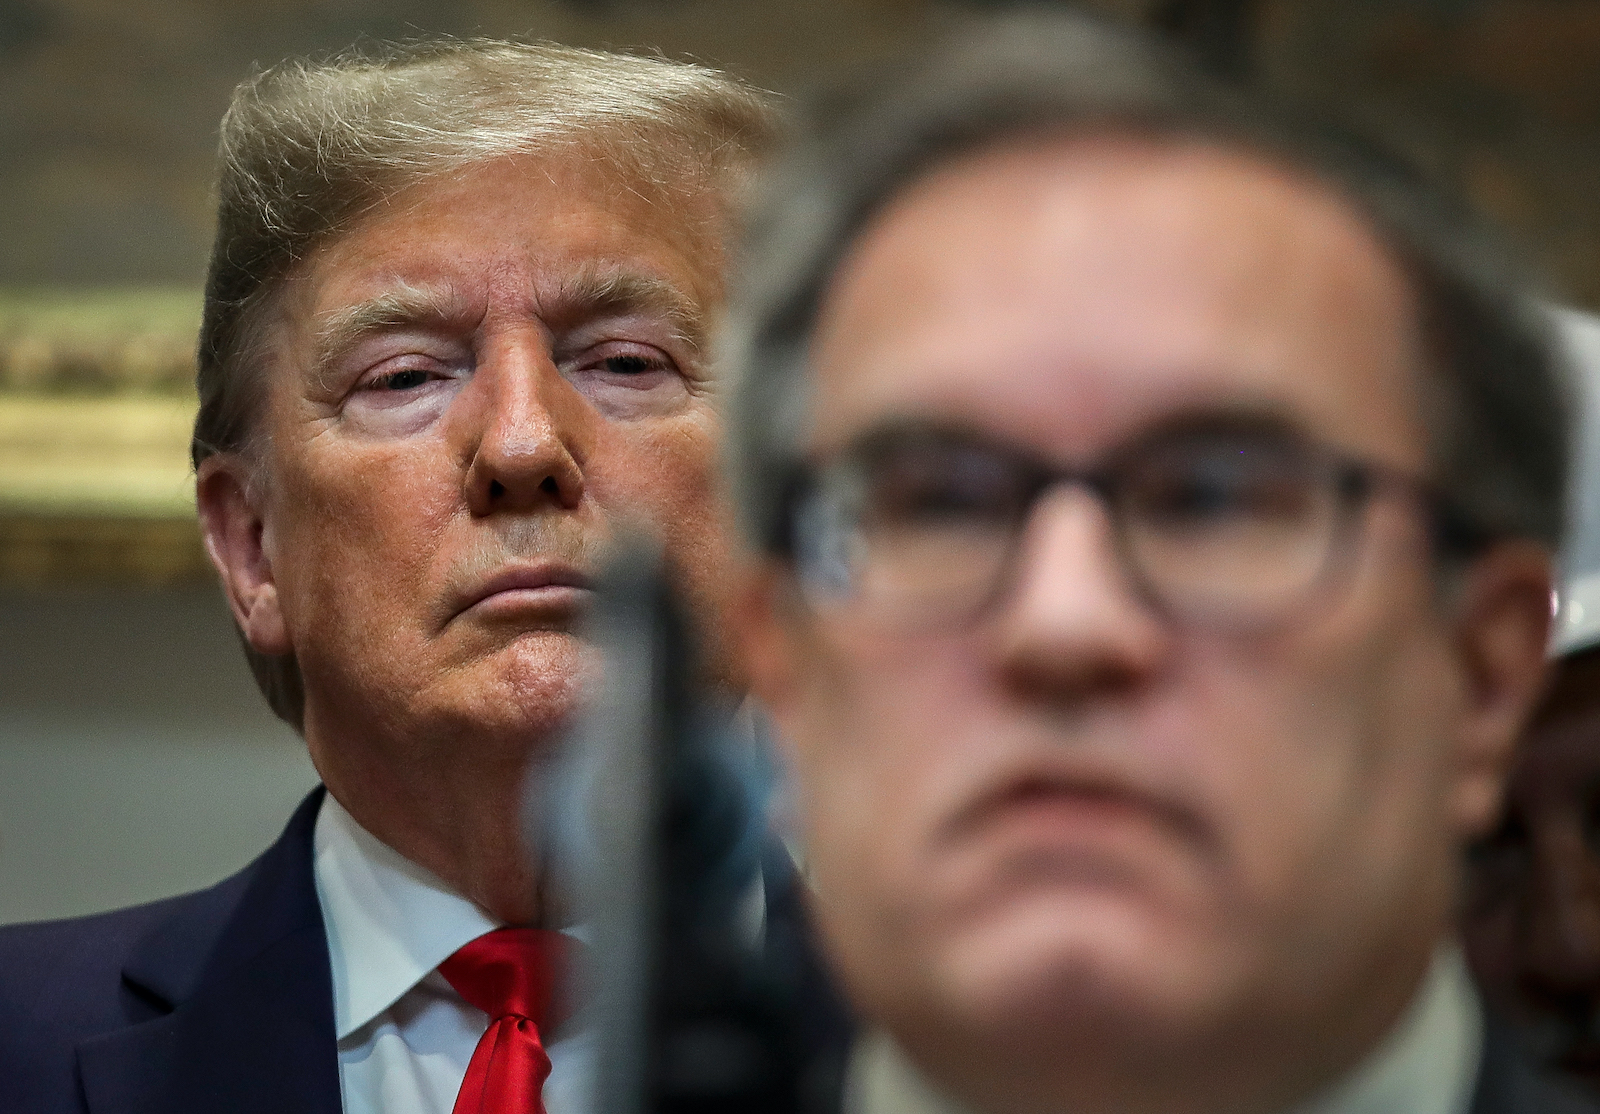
[514, 976]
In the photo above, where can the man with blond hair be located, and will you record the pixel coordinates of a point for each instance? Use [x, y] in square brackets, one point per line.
[453, 336]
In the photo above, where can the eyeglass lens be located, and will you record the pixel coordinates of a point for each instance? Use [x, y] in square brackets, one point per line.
[924, 526]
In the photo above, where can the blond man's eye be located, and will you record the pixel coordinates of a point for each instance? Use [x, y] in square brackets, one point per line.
[630, 365]
[402, 380]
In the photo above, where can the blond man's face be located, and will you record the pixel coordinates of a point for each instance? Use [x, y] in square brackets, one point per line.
[470, 392]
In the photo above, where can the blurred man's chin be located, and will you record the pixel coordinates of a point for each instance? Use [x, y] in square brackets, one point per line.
[1092, 969]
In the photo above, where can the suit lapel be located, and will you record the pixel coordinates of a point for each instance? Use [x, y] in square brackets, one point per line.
[242, 973]
[824, 1030]
[1510, 1083]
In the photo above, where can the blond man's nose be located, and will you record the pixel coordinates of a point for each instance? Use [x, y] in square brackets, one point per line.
[526, 432]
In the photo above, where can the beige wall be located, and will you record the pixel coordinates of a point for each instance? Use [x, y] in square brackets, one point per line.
[136, 760]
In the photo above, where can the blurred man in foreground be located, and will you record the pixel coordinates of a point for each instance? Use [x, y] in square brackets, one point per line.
[453, 335]
[1531, 922]
[1158, 504]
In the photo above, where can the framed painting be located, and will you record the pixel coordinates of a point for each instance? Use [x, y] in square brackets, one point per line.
[96, 404]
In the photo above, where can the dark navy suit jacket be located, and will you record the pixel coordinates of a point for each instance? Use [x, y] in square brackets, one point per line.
[222, 1000]
[1510, 1083]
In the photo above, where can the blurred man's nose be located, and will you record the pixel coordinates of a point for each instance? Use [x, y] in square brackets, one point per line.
[1073, 626]
[1561, 955]
[526, 432]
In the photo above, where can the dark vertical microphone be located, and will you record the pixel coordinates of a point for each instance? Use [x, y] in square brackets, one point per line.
[659, 828]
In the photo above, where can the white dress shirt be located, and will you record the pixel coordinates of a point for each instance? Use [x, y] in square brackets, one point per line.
[405, 1035]
[1428, 1064]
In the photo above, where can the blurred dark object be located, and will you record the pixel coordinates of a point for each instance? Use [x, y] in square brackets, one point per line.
[703, 1004]
[1219, 31]
[1532, 918]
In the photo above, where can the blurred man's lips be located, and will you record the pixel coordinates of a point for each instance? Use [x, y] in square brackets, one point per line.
[1055, 810]
[531, 587]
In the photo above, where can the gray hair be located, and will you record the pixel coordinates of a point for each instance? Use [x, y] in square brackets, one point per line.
[308, 148]
[1497, 403]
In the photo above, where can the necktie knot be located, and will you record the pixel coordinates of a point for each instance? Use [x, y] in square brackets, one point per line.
[511, 972]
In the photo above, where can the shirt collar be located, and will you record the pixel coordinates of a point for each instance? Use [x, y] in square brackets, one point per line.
[389, 922]
[1428, 1064]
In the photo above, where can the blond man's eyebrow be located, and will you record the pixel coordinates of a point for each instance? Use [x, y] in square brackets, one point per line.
[406, 304]
[601, 291]
[596, 291]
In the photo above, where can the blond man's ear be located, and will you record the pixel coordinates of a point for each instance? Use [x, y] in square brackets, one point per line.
[236, 539]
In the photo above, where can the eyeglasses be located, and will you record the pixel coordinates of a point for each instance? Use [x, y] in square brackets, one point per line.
[920, 526]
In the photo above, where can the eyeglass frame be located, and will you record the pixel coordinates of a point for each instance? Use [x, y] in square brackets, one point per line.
[1453, 535]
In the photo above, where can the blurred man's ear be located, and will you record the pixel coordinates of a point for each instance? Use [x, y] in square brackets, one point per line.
[1502, 628]
[234, 532]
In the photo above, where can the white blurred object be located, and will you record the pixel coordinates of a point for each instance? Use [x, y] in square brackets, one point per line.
[1577, 625]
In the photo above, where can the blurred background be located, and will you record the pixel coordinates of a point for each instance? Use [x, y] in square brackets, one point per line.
[136, 759]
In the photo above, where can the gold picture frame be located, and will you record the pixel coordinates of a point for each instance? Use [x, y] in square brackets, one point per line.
[96, 406]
